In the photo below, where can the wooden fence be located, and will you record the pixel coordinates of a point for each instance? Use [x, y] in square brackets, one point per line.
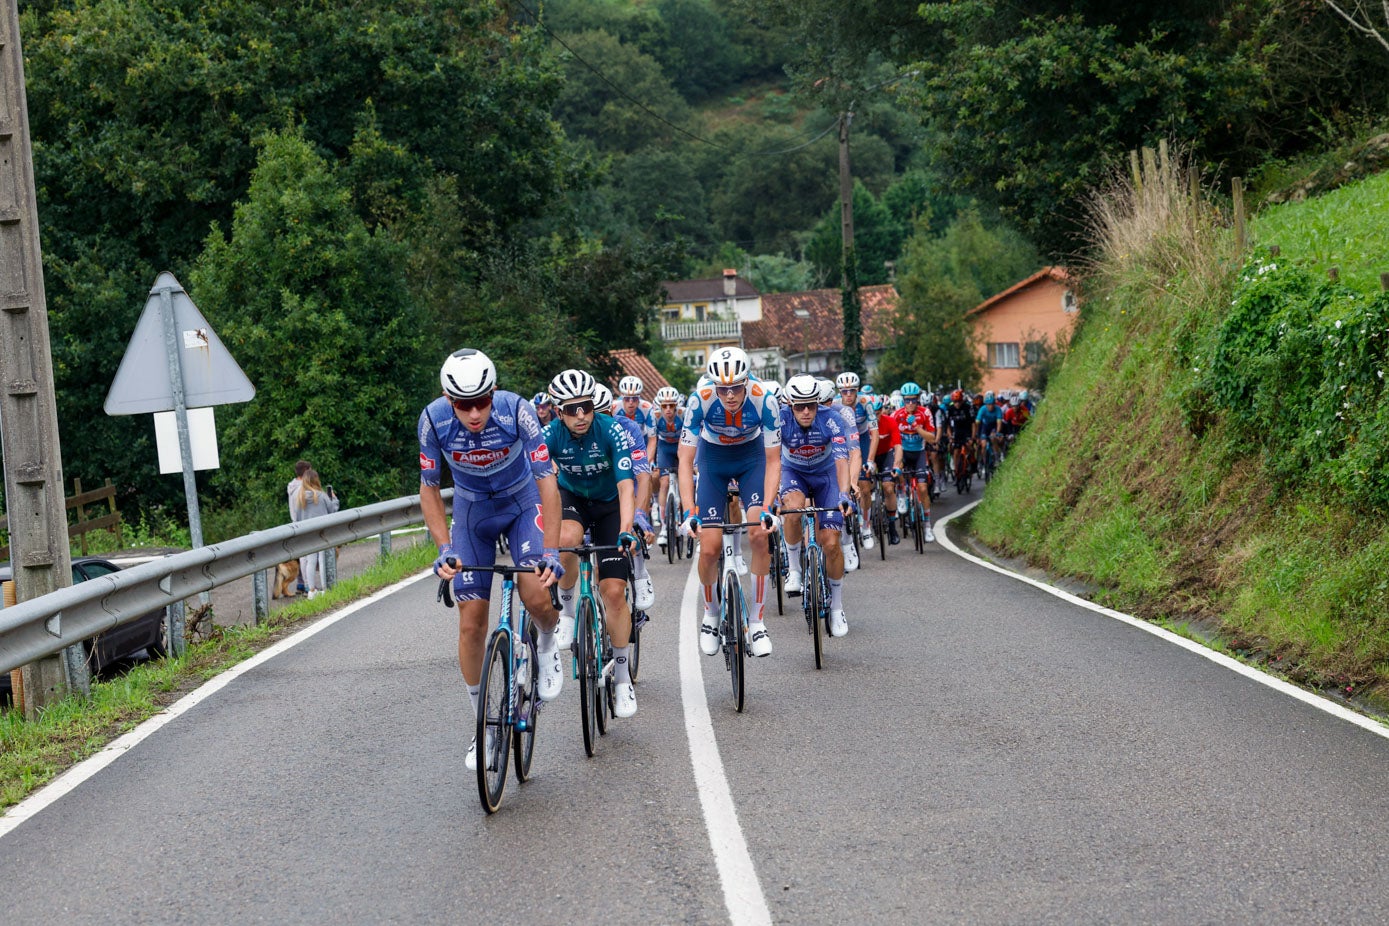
[78, 502]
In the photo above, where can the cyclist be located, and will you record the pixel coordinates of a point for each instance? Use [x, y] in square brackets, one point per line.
[937, 412]
[1016, 415]
[815, 471]
[918, 430]
[544, 408]
[846, 415]
[986, 422]
[866, 429]
[637, 409]
[644, 477]
[732, 432]
[888, 462]
[959, 429]
[593, 453]
[504, 483]
[668, 424]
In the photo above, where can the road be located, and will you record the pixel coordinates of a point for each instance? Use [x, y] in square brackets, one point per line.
[975, 751]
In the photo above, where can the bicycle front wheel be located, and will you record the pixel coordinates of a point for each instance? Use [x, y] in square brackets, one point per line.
[778, 568]
[735, 637]
[815, 602]
[528, 709]
[585, 661]
[919, 527]
[494, 722]
[604, 681]
[674, 549]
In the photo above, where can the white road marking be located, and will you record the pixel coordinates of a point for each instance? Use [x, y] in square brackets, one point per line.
[79, 773]
[1234, 665]
[742, 891]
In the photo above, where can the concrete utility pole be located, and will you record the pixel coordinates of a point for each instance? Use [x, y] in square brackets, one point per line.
[28, 408]
[852, 357]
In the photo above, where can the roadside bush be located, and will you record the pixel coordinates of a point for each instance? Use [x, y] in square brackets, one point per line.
[1299, 365]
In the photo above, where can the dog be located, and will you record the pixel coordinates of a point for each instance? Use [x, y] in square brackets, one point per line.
[286, 576]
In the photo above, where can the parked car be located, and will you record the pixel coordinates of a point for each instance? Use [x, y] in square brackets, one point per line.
[145, 633]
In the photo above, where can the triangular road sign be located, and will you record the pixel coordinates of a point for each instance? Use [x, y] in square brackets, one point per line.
[210, 375]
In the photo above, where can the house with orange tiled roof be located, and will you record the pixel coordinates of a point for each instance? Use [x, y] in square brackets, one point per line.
[700, 316]
[631, 363]
[1014, 327]
[804, 332]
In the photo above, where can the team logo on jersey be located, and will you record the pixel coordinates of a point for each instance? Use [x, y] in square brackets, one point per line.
[806, 450]
[426, 462]
[479, 457]
[706, 394]
[638, 454]
[541, 454]
[837, 439]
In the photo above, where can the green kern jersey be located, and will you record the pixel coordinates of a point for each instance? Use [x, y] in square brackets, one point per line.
[591, 465]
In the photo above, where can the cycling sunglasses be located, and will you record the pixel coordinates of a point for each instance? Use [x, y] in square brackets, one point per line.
[802, 406]
[730, 390]
[576, 408]
[472, 405]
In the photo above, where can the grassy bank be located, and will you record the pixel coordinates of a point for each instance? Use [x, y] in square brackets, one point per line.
[32, 754]
[1212, 453]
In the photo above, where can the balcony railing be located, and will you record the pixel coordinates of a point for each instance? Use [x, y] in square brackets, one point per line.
[702, 331]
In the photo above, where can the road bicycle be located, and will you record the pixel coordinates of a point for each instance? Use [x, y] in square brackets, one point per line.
[592, 648]
[915, 519]
[963, 461]
[670, 523]
[776, 546]
[639, 617]
[508, 708]
[733, 615]
[815, 589]
[877, 517]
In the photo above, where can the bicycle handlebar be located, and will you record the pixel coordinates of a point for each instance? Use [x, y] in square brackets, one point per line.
[445, 593]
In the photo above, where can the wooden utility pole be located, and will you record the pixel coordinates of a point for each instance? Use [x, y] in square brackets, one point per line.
[852, 356]
[28, 407]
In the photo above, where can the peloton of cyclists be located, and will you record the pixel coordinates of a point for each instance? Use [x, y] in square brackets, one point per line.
[918, 431]
[866, 434]
[644, 479]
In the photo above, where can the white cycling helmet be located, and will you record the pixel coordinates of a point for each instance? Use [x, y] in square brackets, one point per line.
[772, 388]
[602, 399]
[667, 394]
[571, 385]
[802, 388]
[630, 386]
[467, 374]
[826, 391]
[728, 366]
[846, 380]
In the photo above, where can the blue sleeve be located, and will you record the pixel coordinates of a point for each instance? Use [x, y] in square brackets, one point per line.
[431, 454]
[839, 447]
[533, 440]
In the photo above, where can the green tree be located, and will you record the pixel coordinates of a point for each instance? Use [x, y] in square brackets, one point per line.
[762, 198]
[315, 308]
[943, 277]
[592, 108]
[878, 239]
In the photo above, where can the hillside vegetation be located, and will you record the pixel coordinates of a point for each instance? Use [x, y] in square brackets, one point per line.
[1214, 454]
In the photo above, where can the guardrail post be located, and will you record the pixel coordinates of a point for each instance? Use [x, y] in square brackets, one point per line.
[77, 670]
[260, 596]
[385, 544]
[330, 567]
[173, 629]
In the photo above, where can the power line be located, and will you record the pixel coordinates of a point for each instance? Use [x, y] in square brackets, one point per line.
[652, 113]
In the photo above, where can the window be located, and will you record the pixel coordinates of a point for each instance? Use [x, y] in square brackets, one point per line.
[1033, 351]
[1004, 355]
[695, 359]
[671, 313]
[1068, 301]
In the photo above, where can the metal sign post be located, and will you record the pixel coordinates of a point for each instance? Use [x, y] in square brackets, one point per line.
[185, 447]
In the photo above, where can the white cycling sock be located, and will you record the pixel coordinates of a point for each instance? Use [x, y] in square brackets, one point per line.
[793, 556]
[474, 692]
[759, 598]
[639, 566]
[546, 641]
[836, 594]
[622, 673]
[567, 597]
[711, 607]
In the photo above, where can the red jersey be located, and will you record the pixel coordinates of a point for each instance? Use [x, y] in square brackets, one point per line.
[888, 434]
[922, 417]
[1016, 415]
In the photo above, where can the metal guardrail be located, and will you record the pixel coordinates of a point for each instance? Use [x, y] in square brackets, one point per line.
[46, 625]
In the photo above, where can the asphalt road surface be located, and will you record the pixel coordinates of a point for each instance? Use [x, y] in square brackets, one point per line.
[974, 751]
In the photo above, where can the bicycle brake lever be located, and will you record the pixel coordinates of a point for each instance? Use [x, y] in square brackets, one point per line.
[446, 586]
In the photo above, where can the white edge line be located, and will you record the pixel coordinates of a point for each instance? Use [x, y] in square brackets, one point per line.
[742, 891]
[85, 769]
[1301, 694]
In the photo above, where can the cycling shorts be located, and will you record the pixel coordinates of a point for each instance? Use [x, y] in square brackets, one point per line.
[718, 466]
[885, 466]
[476, 527]
[821, 490]
[667, 456]
[603, 521]
[915, 459]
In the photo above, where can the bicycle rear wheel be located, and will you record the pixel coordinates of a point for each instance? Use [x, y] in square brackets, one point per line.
[735, 638]
[528, 708]
[634, 654]
[815, 602]
[605, 682]
[585, 657]
[879, 519]
[778, 568]
[493, 723]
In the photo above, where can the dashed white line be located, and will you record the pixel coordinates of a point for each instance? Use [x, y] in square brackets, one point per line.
[742, 891]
